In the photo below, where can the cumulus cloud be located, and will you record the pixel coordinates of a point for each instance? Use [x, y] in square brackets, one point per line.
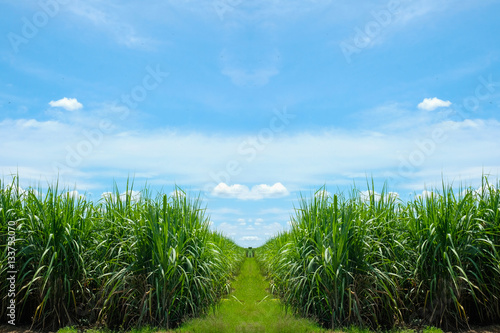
[177, 194]
[366, 195]
[19, 191]
[107, 195]
[482, 191]
[485, 191]
[430, 104]
[74, 194]
[426, 194]
[257, 192]
[394, 195]
[69, 104]
[134, 196]
[323, 194]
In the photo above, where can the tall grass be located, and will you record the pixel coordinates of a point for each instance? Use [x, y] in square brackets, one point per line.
[122, 261]
[378, 262]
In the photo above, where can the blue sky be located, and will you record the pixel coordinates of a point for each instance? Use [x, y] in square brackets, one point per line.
[249, 103]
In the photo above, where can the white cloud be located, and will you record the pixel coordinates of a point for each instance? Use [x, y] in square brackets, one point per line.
[430, 104]
[113, 20]
[484, 191]
[33, 149]
[107, 196]
[15, 190]
[394, 195]
[274, 211]
[250, 238]
[272, 229]
[134, 195]
[426, 194]
[366, 195]
[69, 104]
[19, 191]
[224, 210]
[74, 194]
[224, 226]
[323, 193]
[177, 194]
[257, 192]
[250, 231]
[233, 191]
[242, 76]
[466, 123]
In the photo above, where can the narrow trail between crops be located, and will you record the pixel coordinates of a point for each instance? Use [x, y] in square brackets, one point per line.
[250, 308]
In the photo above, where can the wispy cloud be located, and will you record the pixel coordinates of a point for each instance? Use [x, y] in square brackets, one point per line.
[224, 210]
[254, 72]
[250, 238]
[274, 211]
[257, 192]
[33, 147]
[243, 77]
[114, 19]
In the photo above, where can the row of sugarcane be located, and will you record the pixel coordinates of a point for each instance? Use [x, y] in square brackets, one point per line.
[119, 262]
[373, 260]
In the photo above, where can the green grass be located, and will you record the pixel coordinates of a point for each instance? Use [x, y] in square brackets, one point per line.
[431, 330]
[68, 329]
[250, 308]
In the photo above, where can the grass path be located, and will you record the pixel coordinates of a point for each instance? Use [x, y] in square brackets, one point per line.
[250, 308]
